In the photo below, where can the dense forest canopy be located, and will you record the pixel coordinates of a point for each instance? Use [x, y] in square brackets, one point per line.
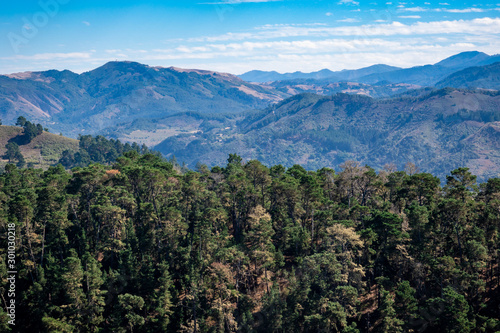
[140, 247]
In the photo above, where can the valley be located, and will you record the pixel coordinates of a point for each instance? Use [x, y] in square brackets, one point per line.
[438, 117]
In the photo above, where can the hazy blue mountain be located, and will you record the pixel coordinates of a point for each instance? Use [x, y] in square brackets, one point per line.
[491, 60]
[484, 77]
[354, 74]
[265, 76]
[344, 75]
[464, 59]
[429, 75]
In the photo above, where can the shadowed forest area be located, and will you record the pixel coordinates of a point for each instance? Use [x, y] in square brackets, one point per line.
[138, 246]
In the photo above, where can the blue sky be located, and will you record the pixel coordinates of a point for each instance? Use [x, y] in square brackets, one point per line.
[236, 36]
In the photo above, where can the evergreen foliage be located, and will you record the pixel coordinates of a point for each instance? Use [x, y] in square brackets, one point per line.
[99, 150]
[31, 130]
[137, 246]
[14, 154]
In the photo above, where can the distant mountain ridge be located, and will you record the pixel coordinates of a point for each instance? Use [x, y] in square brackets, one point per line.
[426, 75]
[263, 76]
[467, 59]
[429, 75]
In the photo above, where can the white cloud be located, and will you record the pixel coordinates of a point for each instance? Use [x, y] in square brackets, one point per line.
[415, 9]
[312, 47]
[349, 20]
[466, 10]
[348, 2]
[86, 23]
[306, 47]
[348, 48]
[308, 54]
[479, 26]
[281, 61]
[447, 10]
[52, 56]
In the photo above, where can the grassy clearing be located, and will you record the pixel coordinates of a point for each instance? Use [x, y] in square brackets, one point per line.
[43, 151]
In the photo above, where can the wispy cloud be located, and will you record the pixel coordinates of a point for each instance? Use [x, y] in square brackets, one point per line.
[348, 2]
[445, 10]
[348, 20]
[313, 54]
[466, 10]
[52, 56]
[403, 34]
[414, 9]
[477, 26]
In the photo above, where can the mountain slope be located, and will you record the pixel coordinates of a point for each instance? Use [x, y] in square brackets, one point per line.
[484, 77]
[438, 131]
[467, 59]
[429, 75]
[44, 150]
[123, 91]
[327, 87]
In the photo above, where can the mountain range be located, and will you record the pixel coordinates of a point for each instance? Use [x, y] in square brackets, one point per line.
[379, 114]
[439, 130]
[344, 75]
[427, 75]
[123, 91]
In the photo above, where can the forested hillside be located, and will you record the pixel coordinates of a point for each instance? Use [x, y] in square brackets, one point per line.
[33, 147]
[26, 147]
[438, 130]
[139, 247]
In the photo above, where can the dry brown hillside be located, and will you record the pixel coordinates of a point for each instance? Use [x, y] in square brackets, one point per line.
[43, 151]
